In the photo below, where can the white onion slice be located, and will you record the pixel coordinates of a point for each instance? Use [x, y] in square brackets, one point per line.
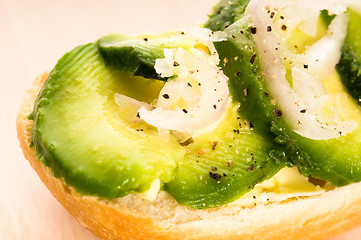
[323, 56]
[164, 66]
[128, 107]
[294, 101]
[207, 37]
[197, 98]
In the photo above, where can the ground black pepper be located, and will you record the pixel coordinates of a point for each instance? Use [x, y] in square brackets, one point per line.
[253, 30]
[251, 168]
[253, 58]
[277, 113]
[214, 145]
[215, 176]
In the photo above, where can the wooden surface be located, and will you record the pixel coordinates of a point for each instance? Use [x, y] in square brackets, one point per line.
[33, 35]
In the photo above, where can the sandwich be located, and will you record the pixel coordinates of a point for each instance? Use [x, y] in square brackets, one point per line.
[247, 128]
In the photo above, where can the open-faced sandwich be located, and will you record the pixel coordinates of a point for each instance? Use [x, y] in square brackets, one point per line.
[248, 128]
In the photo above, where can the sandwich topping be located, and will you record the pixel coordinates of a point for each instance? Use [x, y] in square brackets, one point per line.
[304, 99]
[250, 111]
[196, 98]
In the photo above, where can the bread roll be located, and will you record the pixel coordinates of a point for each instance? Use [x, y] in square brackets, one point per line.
[131, 217]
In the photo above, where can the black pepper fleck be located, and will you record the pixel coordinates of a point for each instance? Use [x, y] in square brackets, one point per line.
[251, 168]
[269, 29]
[253, 58]
[251, 124]
[272, 14]
[303, 111]
[253, 30]
[277, 113]
[215, 176]
[305, 66]
[284, 27]
[185, 110]
[214, 145]
[166, 96]
[175, 64]
[214, 168]
[145, 39]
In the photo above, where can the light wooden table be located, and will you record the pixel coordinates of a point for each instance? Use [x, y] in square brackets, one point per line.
[33, 35]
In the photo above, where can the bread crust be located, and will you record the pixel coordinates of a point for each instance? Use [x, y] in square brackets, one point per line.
[317, 217]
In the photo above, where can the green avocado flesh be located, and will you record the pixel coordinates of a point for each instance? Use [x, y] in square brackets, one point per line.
[81, 134]
[349, 66]
[225, 13]
[335, 160]
[223, 164]
[78, 132]
[138, 55]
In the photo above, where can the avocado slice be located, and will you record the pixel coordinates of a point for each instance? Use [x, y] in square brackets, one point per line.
[138, 54]
[225, 13]
[349, 66]
[79, 133]
[223, 164]
[85, 137]
[336, 159]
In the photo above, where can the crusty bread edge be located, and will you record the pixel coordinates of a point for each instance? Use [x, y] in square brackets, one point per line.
[317, 217]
